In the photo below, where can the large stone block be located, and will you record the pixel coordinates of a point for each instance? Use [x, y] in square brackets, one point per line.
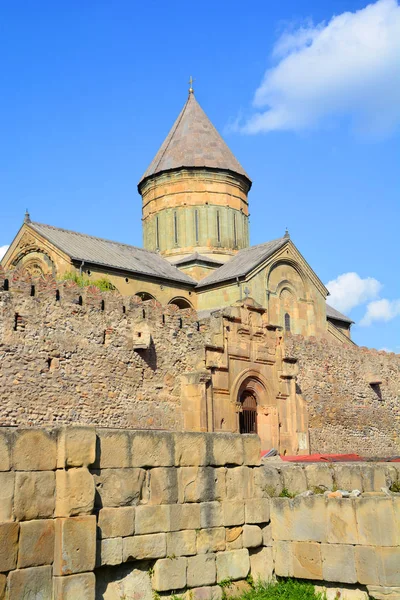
[348, 477]
[257, 510]
[5, 454]
[234, 564]
[211, 514]
[75, 545]
[319, 477]
[6, 495]
[267, 534]
[109, 551]
[294, 479]
[309, 519]
[163, 485]
[211, 540]
[152, 449]
[341, 521]
[76, 447]
[144, 547]
[251, 450]
[267, 482]
[152, 519]
[367, 565]
[338, 563]
[283, 558]
[119, 487]
[201, 570]
[31, 584]
[124, 583]
[184, 516]
[34, 450]
[376, 521]
[207, 592]
[3, 584]
[227, 449]
[252, 536]
[190, 449]
[113, 449]
[169, 574]
[181, 543]
[36, 543]
[234, 538]
[307, 562]
[201, 484]
[379, 592]
[34, 495]
[8, 546]
[239, 483]
[233, 512]
[389, 572]
[262, 564]
[75, 492]
[74, 587]
[116, 522]
[373, 477]
[282, 519]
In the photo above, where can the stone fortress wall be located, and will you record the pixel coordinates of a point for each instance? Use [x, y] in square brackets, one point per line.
[109, 514]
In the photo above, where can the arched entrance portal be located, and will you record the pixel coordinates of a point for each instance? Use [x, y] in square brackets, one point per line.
[248, 414]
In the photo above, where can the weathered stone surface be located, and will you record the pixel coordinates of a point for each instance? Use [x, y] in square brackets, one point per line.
[5, 461]
[294, 479]
[267, 534]
[72, 587]
[76, 447]
[190, 449]
[113, 449]
[262, 564]
[207, 592]
[309, 519]
[234, 538]
[389, 572]
[34, 495]
[307, 563]
[367, 564]
[211, 540]
[384, 593]
[234, 565]
[283, 559]
[117, 583]
[75, 545]
[233, 512]
[201, 484]
[3, 583]
[152, 519]
[184, 516]
[169, 574]
[118, 487]
[252, 536]
[251, 450]
[31, 584]
[163, 485]
[334, 592]
[376, 521]
[338, 563]
[348, 477]
[211, 514]
[36, 543]
[227, 448]
[239, 483]
[142, 547]
[201, 570]
[257, 510]
[75, 492]
[8, 546]
[6, 495]
[267, 482]
[34, 450]
[152, 449]
[319, 477]
[109, 551]
[341, 521]
[181, 543]
[116, 522]
[373, 477]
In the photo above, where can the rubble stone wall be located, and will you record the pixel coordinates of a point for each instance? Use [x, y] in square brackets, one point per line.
[352, 394]
[103, 514]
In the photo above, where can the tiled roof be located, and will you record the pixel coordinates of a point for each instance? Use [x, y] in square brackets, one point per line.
[243, 262]
[332, 313]
[94, 250]
[193, 142]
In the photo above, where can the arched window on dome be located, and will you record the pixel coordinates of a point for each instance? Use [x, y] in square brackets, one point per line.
[196, 225]
[175, 228]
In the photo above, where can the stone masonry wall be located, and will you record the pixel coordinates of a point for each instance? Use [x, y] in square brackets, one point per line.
[102, 514]
[73, 355]
[346, 412]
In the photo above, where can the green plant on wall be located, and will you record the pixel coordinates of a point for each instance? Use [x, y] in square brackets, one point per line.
[103, 283]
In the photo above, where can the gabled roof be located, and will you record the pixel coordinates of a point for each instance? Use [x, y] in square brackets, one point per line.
[196, 257]
[332, 313]
[193, 142]
[243, 262]
[81, 247]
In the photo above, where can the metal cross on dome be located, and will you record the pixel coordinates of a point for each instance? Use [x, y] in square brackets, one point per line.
[191, 80]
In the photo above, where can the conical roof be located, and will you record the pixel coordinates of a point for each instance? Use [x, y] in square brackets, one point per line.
[193, 142]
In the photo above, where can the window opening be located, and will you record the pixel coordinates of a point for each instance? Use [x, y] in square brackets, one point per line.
[196, 225]
[157, 233]
[287, 322]
[234, 230]
[218, 228]
[248, 414]
[175, 228]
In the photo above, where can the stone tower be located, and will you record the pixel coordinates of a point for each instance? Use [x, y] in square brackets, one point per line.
[195, 192]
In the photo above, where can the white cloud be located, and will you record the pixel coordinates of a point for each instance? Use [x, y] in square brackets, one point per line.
[350, 290]
[3, 250]
[346, 68]
[381, 310]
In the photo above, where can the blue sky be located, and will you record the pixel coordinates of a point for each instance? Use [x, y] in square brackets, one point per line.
[306, 94]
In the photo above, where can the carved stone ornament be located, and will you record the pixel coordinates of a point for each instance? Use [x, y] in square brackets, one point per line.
[27, 240]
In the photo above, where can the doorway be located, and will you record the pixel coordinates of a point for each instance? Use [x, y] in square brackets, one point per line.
[248, 413]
